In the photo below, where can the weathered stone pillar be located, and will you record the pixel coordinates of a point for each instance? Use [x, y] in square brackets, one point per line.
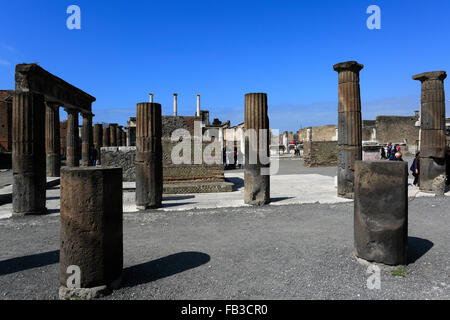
[72, 154]
[151, 97]
[98, 139]
[432, 125]
[28, 154]
[381, 231]
[87, 139]
[52, 140]
[149, 179]
[91, 228]
[175, 104]
[119, 136]
[113, 135]
[349, 125]
[257, 185]
[106, 137]
[198, 106]
[124, 138]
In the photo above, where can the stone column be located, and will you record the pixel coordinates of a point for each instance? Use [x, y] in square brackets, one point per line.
[72, 137]
[198, 106]
[257, 185]
[381, 231]
[175, 105]
[106, 137]
[52, 140]
[124, 138]
[432, 125]
[87, 139]
[349, 125]
[119, 136]
[98, 140]
[28, 154]
[151, 97]
[113, 135]
[149, 179]
[91, 228]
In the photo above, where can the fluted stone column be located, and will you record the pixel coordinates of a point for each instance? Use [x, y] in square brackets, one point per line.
[113, 135]
[106, 137]
[381, 211]
[52, 140]
[349, 125]
[72, 154]
[151, 97]
[28, 154]
[87, 140]
[149, 179]
[119, 136]
[432, 125]
[198, 106]
[98, 139]
[124, 138]
[257, 185]
[91, 236]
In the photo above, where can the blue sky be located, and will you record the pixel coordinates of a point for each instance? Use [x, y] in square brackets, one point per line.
[224, 49]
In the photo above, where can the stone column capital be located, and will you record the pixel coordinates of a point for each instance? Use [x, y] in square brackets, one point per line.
[433, 75]
[348, 66]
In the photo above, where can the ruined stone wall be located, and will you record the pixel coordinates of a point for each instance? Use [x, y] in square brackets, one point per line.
[120, 157]
[5, 121]
[369, 128]
[319, 133]
[320, 153]
[396, 128]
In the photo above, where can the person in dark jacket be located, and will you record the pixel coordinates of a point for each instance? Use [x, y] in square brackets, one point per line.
[415, 168]
[396, 156]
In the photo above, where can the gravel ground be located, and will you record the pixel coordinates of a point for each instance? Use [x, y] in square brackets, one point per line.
[274, 252]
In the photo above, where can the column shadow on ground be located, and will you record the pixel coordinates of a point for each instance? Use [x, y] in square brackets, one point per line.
[162, 268]
[417, 247]
[28, 262]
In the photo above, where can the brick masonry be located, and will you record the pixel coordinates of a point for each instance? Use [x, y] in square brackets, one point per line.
[320, 153]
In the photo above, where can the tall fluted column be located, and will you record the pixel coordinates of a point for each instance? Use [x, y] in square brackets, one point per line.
[257, 185]
[52, 140]
[98, 140]
[106, 137]
[28, 154]
[119, 136]
[72, 137]
[349, 126]
[149, 179]
[432, 125]
[87, 140]
[124, 138]
[113, 135]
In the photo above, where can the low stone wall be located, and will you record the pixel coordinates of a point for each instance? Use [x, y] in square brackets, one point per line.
[320, 153]
[120, 157]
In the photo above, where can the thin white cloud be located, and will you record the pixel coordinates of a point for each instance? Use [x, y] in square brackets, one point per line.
[9, 48]
[4, 63]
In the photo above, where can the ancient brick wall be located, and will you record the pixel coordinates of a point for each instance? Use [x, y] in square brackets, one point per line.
[319, 133]
[369, 128]
[320, 153]
[5, 120]
[395, 129]
[123, 157]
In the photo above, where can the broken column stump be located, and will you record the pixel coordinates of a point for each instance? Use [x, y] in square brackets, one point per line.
[257, 185]
[106, 137]
[381, 211]
[91, 229]
[28, 154]
[149, 170]
[432, 133]
[349, 125]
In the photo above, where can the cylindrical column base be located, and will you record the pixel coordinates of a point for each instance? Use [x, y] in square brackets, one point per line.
[381, 211]
[53, 165]
[257, 185]
[91, 225]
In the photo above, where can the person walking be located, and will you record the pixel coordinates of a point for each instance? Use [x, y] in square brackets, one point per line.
[415, 168]
[383, 154]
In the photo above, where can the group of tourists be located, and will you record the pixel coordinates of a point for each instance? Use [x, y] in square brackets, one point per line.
[391, 152]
